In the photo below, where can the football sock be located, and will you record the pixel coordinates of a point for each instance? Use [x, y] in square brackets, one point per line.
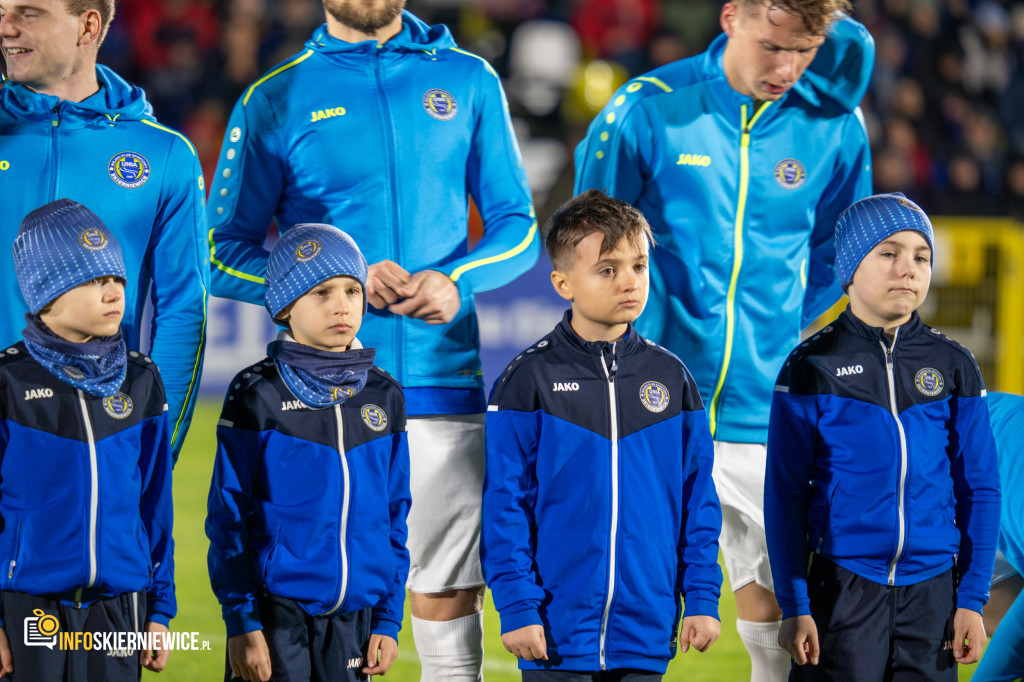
[768, 661]
[450, 650]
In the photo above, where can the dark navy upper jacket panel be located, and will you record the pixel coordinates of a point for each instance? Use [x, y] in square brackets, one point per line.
[33, 397]
[848, 359]
[259, 400]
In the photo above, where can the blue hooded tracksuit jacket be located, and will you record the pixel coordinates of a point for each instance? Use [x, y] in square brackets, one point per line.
[743, 200]
[309, 504]
[144, 181]
[881, 459]
[85, 492]
[387, 142]
[599, 510]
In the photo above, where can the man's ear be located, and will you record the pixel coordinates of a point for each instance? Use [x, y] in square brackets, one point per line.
[729, 17]
[561, 285]
[90, 27]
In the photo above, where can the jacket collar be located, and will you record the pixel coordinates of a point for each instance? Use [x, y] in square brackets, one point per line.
[849, 322]
[415, 36]
[627, 345]
[117, 100]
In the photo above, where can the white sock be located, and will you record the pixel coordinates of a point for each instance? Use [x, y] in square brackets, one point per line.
[768, 661]
[450, 649]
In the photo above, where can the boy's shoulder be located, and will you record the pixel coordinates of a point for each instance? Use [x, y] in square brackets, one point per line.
[14, 353]
[806, 365]
[384, 379]
[523, 368]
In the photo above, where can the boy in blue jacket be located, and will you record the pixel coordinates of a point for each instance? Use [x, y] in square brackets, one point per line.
[599, 508]
[310, 491]
[881, 463]
[85, 496]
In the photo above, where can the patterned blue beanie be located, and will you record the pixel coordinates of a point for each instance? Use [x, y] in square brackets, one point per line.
[60, 246]
[306, 255]
[869, 221]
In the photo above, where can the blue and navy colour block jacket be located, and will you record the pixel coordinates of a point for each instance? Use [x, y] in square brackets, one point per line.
[599, 509]
[85, 492]
[881, 459]
[743, 199]
[144, 181]
[309, 504]
[389, 142]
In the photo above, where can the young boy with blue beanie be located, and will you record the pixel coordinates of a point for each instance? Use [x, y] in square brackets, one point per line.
[882, 467]
[85, 496]
[310, 492]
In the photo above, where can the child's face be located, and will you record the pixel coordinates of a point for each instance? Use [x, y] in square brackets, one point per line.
[607, 290]
[90, 310]
[892, 280]
[328, 316]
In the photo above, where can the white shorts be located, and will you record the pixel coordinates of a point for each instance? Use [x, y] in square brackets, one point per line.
[1003, 569]
[739, 479]
[446, 477]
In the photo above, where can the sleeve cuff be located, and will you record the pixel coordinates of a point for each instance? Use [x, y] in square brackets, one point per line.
[701, 606]
[385, 627]
[792, 609]
[241, 618]
[974, 602]
[161, 618]
[519, 619]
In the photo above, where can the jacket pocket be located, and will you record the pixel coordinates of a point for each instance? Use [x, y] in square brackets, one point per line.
[828, 517]
[13, 563]
[143, 539]
[268, 558]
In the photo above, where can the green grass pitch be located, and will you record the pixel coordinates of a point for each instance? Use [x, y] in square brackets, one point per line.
[198, 610]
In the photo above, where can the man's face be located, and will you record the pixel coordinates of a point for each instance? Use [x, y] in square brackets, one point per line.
[768, 51]
[40, 42]
[365, 16]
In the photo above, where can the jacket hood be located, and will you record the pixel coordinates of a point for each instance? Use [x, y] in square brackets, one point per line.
[841, 71]
[117, 99]
[415, 36]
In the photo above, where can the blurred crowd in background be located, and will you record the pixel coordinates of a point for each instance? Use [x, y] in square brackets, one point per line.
[945, 110]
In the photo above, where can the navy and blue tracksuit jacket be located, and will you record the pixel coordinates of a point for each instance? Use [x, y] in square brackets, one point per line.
[388, 142]
[85, 487]
[599, 510]
[881, 459]
[309, 504]
[144, 181]
[743, 199]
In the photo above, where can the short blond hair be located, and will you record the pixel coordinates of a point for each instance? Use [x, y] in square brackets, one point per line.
[104, 7]
[817, 15]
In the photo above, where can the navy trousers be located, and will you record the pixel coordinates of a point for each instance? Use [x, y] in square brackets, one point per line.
[601, 676]
[870, 632]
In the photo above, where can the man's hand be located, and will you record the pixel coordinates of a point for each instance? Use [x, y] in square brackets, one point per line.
[429, 296]
[6, 660]
[700, 632]
[249, 656]
[526, 643]
[968, 636]
[383, 280]
[381, 652]
[156, 659]
[799, 637]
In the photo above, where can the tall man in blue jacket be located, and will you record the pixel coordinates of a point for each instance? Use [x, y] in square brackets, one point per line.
[70, 128]
[385, 128]
[742, 158]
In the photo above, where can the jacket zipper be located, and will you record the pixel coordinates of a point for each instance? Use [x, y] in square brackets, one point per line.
[94, 498]
[344, 509]
[55, 149]
[891, 378]
[730, 297]
[613, 531]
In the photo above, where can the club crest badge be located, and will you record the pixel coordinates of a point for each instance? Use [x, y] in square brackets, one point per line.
[73, 373]
[342, 393]
[129, 170]
[929, 382]
[374, 417]
[92, 239]
[790, 173]
[654, 396]
[118, 406]
[308, 250]
[440, 104]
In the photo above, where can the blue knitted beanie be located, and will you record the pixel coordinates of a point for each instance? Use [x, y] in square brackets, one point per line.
[60, 246]
[307, 255]
[869, 221]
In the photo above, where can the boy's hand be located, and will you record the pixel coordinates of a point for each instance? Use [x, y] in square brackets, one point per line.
[968, 636]
[429, 296]
[383, 280]
[381, 652]
[156, 659]
[799, 637]
[526, 643]
[6, 660]
[700, 632]
[249, 656]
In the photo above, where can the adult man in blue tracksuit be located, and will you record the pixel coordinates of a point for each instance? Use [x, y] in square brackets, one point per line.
[70, 128]
[742, 161]
[384, 127]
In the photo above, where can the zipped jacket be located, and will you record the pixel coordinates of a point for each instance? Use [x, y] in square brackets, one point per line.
[309, 504]
[881, 459]
[389, 142]
[144, 181]
[85, 497]
[1008, 430]
[743, 201]
[599, 510]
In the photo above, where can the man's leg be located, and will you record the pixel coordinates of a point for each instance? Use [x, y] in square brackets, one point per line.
[1007, 583]
[446, 582]
[739, 481]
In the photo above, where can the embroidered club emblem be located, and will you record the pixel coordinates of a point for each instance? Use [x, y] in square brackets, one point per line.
[308, 250]
[374, 417]
[92, 239]
[929, 382]
[790, 173]
[654, 396]
[440, 104]
[118, 405]
[129, 170]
